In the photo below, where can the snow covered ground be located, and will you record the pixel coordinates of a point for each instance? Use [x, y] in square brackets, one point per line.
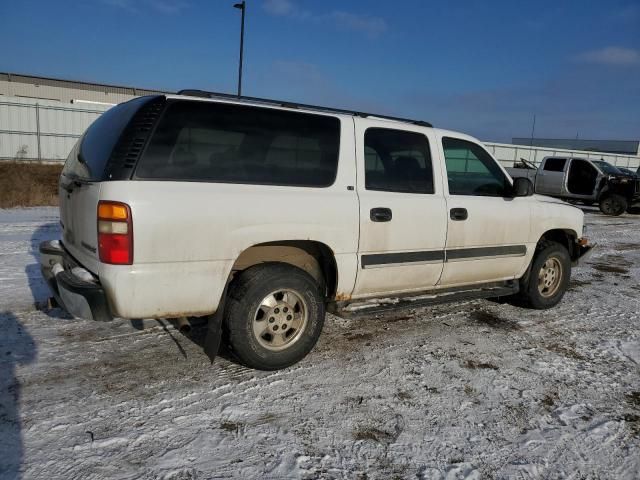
[472, 390]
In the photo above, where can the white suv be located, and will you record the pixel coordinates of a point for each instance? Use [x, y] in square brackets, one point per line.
[262, 215]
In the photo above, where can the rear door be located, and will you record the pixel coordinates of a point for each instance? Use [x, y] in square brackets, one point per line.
[550, 177]
[402, 209]
[488, 232]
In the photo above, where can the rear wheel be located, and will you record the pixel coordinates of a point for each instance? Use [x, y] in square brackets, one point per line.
[549, 277]
[274, 316]
[613, 205]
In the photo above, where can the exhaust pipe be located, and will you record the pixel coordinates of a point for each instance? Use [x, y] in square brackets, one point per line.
[183, 325]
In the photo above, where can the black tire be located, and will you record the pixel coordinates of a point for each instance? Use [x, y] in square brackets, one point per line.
[247, 293]
[633, 210]
[613, 205]
[530, 292]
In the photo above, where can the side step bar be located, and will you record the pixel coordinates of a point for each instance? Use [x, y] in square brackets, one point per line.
[379, 305]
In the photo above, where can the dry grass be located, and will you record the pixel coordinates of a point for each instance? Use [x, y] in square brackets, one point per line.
[28, 184]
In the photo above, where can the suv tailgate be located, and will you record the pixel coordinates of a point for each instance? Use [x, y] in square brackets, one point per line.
[78, 218]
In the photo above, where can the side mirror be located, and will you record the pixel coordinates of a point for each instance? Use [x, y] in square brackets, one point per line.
[522, 187]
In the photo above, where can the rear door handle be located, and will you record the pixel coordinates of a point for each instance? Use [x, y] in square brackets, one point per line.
[458, 214]
[380, 214]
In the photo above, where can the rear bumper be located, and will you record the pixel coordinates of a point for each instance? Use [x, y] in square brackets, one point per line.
[74, 287]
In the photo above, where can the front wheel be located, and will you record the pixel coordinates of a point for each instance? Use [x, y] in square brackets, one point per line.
[613, 205]
[274, 315]
[549, 277]
[633, 210]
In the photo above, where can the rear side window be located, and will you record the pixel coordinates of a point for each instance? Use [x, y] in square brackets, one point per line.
[471, 170]
[90, 156]
[212, 142]
[554, 164]
[397, 161]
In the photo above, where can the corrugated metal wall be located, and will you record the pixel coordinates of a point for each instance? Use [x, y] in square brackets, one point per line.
[40, 129]
[66, 91]
[622, 147]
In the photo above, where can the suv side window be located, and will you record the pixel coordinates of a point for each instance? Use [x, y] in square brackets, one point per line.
[471, 170]
[216, 142]
[397, 161]
[554, 164]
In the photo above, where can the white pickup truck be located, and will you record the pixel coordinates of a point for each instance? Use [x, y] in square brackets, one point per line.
[262, 215]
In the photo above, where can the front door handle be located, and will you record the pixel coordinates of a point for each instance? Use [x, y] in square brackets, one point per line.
[380, 214]
[458, 214]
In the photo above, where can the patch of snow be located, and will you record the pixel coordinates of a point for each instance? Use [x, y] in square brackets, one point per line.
[467, 390]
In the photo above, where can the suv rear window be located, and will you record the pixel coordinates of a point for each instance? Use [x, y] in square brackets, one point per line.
[95, 147]
[214, 142]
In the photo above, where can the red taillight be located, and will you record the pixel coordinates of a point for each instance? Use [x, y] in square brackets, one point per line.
[115, 233]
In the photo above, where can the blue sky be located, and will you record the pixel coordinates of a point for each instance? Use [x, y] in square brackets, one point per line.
[482, 67]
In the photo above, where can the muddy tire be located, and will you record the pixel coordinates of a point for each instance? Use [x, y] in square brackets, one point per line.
[549, 277]
[274, 316]
[613, 205]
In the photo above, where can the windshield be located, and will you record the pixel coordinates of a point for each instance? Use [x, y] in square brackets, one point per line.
[607, 167]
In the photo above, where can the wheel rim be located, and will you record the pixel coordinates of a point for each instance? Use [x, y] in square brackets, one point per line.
[280, 319]
[550, 277]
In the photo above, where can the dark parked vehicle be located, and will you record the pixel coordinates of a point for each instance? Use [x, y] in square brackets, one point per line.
[583, 180]
[628, 171]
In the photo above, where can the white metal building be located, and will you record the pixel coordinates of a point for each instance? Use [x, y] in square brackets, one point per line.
[41, 119]
[66, 91]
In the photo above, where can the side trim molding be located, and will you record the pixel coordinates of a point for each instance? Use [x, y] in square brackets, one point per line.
[479, 252]
[437, 256]
[379, 259]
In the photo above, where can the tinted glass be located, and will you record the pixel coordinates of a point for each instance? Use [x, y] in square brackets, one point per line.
[607, 167]
[88, 161]
[471, 170]
[203, 141]
[397, 161]
[555, 164]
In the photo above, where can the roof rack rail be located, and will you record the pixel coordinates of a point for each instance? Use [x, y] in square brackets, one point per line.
[281, 103]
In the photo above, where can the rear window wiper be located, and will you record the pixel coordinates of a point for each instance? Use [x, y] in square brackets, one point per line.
[75, 181]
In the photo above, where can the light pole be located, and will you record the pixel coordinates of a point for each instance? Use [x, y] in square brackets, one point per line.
[241, 6]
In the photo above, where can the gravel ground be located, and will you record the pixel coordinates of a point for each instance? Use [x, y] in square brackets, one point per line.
[469, 390]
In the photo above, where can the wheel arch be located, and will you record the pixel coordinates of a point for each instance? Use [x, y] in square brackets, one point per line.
[563, 236]
[315, 258]
[566, 237]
